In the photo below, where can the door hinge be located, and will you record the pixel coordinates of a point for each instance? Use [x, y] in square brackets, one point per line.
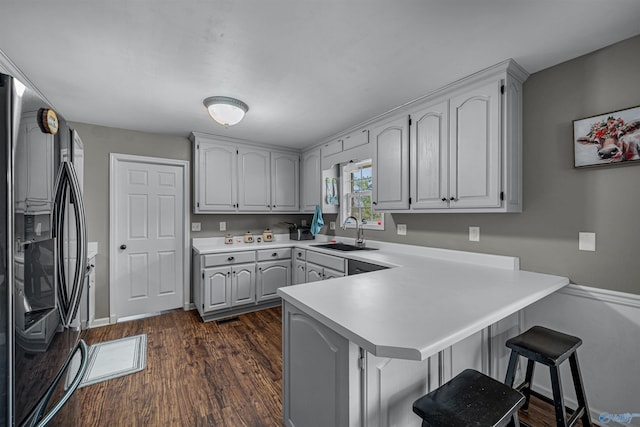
[409, 200]
[361, 362]
[502, 195]
[198, 203]
[203, 274]
[409, 120]
[502, 89]
[237, 151]
[198, 146]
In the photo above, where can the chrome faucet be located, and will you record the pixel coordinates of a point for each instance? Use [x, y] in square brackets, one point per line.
[359, 231]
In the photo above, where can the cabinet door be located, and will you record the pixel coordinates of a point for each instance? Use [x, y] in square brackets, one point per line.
[243, 284]
[285, 179]
[430, 157]
[216, 177]
[34, 167]
[217, 288]
[472, 352]
[254, 179]
[391, 164]
[328, 273]
[299, 270]
[311, 180]
[475, 147]
[316, 374]
[392, 385]
[314, 273]
[271, 276]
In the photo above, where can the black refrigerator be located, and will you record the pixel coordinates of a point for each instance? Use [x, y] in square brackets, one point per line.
[40, 289]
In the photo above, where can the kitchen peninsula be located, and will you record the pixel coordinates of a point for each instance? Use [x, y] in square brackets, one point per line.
[359, 350]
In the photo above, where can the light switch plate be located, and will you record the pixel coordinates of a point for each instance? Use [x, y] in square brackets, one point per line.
[223, 226]
[474, 234]
[401, 229]
[332, 225]
[195, 226]
[587, 241]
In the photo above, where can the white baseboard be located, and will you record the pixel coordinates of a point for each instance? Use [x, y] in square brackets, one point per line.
[100, 322]
[608, 322]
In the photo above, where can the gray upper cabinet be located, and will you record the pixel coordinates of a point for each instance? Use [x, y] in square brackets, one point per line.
[311, 175]
[234, 177]
[391, 164]
[465, 148]
[430, 156]
[285, 182]
[216, 177]
[254, 179]
[474, 153]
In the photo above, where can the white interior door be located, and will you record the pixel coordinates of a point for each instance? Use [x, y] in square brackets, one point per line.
[147, 236]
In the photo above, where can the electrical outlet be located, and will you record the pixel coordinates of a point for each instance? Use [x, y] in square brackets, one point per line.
[587, 241]
[303, 222]
[223, 226]
[474, 234]
[332, 225]
[401, 229]
[196, 226]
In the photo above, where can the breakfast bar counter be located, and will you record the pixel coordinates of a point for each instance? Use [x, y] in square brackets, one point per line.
[358, 350]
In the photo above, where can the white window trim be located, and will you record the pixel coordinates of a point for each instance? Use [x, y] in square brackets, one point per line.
[344, 185]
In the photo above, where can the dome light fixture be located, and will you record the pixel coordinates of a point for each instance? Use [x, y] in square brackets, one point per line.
[225, 110]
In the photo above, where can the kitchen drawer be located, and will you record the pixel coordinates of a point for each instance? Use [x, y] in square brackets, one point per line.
[300, 254]
[356, 139]
[274, 254]
[332, 147]
[330, 261]
[228, 258]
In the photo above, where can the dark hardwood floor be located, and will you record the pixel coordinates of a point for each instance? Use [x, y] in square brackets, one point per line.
[201, 374]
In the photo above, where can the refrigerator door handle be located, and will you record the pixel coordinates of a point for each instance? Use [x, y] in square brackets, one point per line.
[59, 209]
[70, 297]
[84, 363]
[81, 243]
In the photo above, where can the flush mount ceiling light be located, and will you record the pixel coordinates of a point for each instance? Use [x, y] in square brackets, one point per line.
[224, 110]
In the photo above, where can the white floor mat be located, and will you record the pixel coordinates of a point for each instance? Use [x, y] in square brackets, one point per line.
[113, 359]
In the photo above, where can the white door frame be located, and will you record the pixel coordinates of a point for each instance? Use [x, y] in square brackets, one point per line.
[115, 159]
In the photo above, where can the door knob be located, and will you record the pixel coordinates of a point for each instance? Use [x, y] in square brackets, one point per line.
[123, 247]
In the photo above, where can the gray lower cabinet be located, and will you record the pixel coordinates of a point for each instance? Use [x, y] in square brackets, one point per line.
[271, 276]
[328, 380]
[243, 284]
[299, 272]
[321, 266]
[226, 287]
[217, 288]
[317, 382]
[231, 283]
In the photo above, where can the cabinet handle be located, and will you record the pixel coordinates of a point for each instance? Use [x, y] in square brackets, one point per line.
[453, 199]
[228, 274]
[375, 203]
[231, 258]
[444, 199]
[259, 268]
[123, 247]
[299, 254]
[274, 254]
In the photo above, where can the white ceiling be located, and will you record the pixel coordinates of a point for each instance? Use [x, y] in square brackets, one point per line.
[308, 69]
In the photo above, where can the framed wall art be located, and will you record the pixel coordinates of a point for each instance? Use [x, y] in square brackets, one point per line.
[610, 138]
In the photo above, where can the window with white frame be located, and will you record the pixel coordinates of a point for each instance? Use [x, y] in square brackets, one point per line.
[357, 185]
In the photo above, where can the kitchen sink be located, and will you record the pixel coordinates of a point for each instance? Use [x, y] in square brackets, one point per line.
[344, 247]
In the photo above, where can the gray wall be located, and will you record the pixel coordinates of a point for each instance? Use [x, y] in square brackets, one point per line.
[559, 201]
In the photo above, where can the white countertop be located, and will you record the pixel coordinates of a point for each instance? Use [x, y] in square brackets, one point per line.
[431, 299]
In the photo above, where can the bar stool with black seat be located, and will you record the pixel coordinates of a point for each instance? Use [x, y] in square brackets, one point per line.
[470, 399]
[549, 348]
